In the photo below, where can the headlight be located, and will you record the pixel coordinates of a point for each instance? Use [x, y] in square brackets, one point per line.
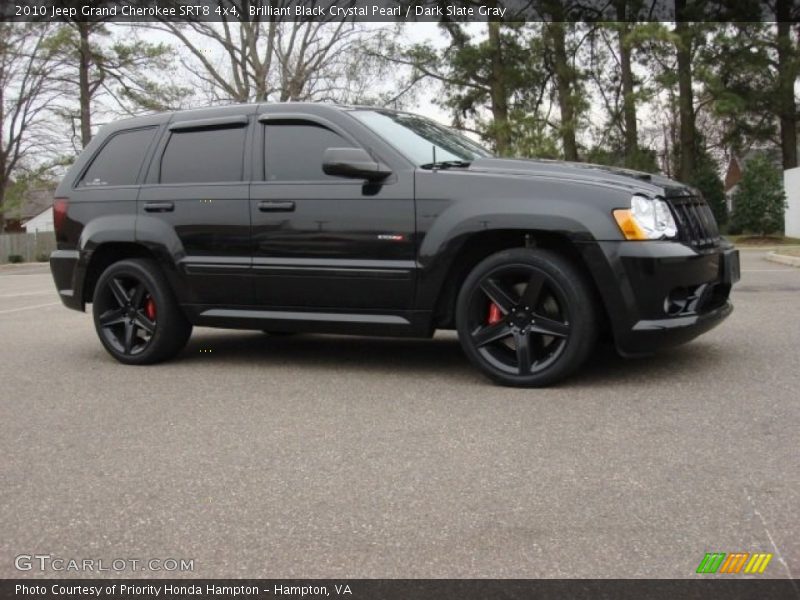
[646, 219]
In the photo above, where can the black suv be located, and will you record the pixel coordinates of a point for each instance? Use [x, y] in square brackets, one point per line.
[334, 219]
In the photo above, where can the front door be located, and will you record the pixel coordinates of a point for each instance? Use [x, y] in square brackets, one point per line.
[322, 242]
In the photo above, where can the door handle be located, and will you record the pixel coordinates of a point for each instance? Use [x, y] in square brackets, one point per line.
[276, 206]
[159, 206]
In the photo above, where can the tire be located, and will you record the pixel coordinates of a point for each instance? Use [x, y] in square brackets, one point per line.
[135, 313]
[526, 306]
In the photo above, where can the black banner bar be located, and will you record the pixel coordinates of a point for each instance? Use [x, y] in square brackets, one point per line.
[385, 10]
[401, 589]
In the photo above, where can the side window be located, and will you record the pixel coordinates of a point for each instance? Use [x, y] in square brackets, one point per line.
[293, 150]
[204, 156]
[119, 160]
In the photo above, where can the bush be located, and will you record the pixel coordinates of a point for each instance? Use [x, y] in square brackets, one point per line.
[733, 229]
[760, 201]
[15, 258]
[42, 258]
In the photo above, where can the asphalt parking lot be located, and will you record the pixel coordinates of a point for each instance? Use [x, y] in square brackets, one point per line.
[326, 456]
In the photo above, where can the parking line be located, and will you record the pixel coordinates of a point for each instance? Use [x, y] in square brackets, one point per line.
[12, 310]
[26, 294]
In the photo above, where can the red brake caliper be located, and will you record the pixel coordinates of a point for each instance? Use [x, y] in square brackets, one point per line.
[495, 314]
[150, 308]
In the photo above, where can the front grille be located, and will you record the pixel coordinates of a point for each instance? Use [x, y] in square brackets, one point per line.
[696, 223]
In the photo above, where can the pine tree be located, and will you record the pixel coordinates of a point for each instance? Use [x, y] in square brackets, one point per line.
[706, 179]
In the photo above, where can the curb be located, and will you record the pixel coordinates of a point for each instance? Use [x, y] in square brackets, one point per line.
[792, 261]
[765, 248]
[31, 266]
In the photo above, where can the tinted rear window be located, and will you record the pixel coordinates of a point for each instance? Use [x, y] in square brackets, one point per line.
[120, 159]
[204, 156]
[293, 151]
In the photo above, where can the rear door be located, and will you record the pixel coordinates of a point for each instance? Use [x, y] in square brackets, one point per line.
[197, 197]
[325, 242]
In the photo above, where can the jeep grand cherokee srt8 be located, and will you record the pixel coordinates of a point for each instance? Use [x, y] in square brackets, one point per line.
[318, 218]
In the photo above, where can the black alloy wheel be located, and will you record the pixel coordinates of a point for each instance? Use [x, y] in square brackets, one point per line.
[136, 317]
[526, 317]
[128, 315]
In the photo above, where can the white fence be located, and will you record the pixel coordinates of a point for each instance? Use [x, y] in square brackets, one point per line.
[30, 246]
[791, 183]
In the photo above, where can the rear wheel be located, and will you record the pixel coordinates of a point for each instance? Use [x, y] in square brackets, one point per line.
[526, 317]
[135, 314]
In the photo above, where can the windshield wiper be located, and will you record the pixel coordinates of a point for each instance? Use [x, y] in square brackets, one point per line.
[445, 164]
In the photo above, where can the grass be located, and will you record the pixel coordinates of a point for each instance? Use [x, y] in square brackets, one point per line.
[790, 252]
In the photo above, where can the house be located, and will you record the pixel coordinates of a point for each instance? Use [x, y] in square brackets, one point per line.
[40, 223]
[37, 204]
[738, 165]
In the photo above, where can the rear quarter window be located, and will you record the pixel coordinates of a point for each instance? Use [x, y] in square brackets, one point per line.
[119, 160]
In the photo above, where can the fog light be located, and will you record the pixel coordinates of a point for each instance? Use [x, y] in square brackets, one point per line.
[676, 301]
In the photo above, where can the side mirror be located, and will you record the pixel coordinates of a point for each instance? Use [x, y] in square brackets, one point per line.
[353, 162]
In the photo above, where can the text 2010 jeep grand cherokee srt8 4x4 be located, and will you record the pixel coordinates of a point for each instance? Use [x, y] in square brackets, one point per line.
[306, 217]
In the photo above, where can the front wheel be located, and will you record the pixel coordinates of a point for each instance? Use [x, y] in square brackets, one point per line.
[135, 314]
[526, 317]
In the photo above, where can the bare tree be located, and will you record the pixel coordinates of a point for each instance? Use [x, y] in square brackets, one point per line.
[278, 58]
[27, 60]
[324, 61]
[232, 59]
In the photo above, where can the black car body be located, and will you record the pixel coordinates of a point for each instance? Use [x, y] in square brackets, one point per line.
[249, 229]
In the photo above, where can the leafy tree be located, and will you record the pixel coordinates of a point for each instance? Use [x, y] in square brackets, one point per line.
[760, 201]
[502, 83]
[706, 179]
[749, 72]
[734, 69]
[788, 58]
[644, 160]
[530, 138]
[498, 72]
[130, 73]
[561, 51]
[619, 63]
[686, 41]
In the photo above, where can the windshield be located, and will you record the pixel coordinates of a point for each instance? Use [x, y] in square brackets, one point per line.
[416, 136]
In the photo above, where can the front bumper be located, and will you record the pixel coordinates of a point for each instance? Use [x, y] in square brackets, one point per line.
[68, 277]
[661, 294]
[649, 336]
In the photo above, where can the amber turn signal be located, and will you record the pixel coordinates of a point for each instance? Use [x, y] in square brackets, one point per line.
[628, 225]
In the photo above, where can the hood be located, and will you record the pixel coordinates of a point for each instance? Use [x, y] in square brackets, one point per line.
[583, 173]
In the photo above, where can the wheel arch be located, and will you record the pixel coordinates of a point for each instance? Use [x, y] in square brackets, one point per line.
[480, 245]
[112, 238]
[105, 255]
